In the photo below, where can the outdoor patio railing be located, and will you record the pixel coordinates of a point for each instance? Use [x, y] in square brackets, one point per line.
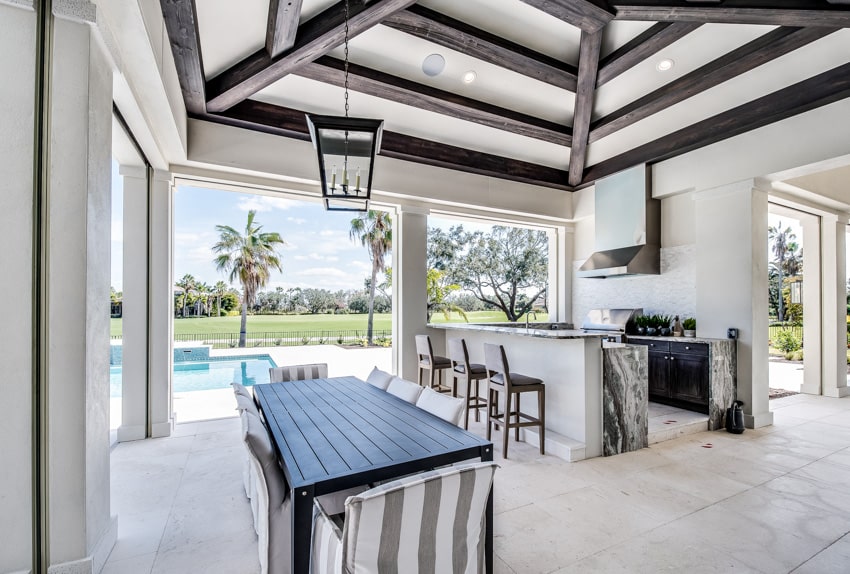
[285, 338]
[796, 330]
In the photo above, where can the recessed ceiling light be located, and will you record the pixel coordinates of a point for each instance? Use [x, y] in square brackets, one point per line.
[469, 77]
[664, 65]
[433, 65]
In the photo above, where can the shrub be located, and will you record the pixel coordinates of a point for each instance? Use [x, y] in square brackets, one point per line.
[305, 340]
[787, 342]
[339, 340]
[321, 340]
[794, 356]
[278, 342]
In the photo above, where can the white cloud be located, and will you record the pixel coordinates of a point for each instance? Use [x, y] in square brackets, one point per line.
[264, 203]
[297, 220]
[316, 257]
[361, 265]
[321, 272]
[329, 232]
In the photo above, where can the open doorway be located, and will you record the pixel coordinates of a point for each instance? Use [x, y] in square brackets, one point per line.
[324, 295]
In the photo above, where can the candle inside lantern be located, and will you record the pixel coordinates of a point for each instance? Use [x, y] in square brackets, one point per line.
[333, 178]
[358, 179]
[344, 177]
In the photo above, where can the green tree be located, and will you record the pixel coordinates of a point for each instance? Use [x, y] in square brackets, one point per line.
[373, 230]
[219, 289]
[187, 283]
[439, 290]
[781, 241]
[248, 258]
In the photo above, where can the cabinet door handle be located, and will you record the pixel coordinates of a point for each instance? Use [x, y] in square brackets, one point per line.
[687, 348]
[665, 358]
[672, 358]
[652, 344]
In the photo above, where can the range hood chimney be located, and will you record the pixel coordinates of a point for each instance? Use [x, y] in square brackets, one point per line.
[628, 227]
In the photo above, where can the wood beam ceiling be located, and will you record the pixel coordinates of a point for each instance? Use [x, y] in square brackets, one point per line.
[282, 25]
[749, 56]
[181, 23]
[766, 12]
[820, 90]
[456, 35]
[588, 15]
[381, 85]
[588, 62]
[315, 38]
[287, 122]
[656, 38]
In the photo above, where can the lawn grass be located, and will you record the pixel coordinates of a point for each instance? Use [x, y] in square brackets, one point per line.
[288, 323]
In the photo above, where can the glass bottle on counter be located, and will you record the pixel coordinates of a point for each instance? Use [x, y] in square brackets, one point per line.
[678, 331]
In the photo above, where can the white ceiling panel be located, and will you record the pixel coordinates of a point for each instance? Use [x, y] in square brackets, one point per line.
[230, 31]
[310, 8]
[316, 97]
[619, 32]
[515, 21]
[698, 48]
[797, 66]
[493, 84]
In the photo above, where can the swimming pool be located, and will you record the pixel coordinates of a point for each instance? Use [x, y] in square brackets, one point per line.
[207, 375]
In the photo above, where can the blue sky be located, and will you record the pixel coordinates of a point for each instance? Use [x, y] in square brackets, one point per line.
[318, 251]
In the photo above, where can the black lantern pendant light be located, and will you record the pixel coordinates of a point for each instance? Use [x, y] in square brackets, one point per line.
[346, 148]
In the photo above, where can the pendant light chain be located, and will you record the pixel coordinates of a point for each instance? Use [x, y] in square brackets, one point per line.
[346, 58]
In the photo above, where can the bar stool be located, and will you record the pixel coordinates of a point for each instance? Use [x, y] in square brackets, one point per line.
[502, 380]
[434, 364]
[472, 373]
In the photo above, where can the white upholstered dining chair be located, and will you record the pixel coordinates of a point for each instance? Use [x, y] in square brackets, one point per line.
[394, 527]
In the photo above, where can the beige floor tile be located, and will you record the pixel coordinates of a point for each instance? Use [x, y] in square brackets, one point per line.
[139, 534]
[832, 560]
[135, 565]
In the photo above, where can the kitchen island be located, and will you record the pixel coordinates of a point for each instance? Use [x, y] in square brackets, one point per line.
[570, 363]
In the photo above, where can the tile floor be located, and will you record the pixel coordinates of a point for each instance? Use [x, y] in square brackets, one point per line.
[667, 423]
[772, 500]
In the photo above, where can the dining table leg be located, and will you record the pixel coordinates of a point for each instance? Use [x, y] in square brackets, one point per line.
[302, 528]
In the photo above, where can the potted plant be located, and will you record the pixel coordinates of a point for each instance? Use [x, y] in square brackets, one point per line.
[652, 325]
[690, 326]
[664, 325]
[640, 323]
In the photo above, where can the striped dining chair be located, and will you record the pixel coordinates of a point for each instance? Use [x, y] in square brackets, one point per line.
[298, 372]
[394, 527]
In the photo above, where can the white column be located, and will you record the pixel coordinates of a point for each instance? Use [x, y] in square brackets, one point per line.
[134, 323]
[560, 274]
[17, 68]
[161, 311]
[81, 530]
[731, 279]
[833, 257]
[812, 319]
[410, 297]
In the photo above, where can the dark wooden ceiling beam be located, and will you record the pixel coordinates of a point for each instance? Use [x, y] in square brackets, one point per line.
[749, 56]
[588, 62]
[287, 122]
[767, 12]
[381, 85]
[589, 15]
[820, 90]
[650, 42]
[318, 36]
[181, 23]
[456, 35]
[282, 25]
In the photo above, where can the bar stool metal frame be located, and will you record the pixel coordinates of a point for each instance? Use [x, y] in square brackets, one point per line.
[472, 373]
[500, 379]
[435, 364]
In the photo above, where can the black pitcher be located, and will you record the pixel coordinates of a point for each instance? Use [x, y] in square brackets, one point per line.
[735, 418]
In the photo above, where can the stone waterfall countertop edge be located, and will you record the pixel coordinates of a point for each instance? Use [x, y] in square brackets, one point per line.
[522, 331]
[679, 339]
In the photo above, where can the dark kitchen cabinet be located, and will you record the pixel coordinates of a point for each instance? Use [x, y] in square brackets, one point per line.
[678, 373]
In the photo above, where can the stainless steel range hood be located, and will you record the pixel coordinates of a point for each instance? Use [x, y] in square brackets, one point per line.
[628, 227]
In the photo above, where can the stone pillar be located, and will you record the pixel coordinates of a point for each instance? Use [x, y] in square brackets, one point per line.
[17, 68]
[161, 310]
[731, 280]
[410, 297]
[81, 530]
[834, 269]
[134, 353]
[812, 317]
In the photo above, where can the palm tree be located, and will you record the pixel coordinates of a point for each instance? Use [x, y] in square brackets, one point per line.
[438, 291]
[374, 231]
[204, 292]
[249, 259]
[188, 284]
[781, 240]
[220, 288]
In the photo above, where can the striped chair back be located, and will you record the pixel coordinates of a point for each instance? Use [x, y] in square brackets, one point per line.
[298, 372]
[430, 522]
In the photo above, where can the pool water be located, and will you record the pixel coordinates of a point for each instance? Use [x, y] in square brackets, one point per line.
[208, 375]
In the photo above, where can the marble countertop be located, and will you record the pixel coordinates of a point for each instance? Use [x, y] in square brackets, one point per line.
[522, 331]
[678, 339]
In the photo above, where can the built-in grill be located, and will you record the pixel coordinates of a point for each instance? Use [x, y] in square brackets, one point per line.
[611, 322]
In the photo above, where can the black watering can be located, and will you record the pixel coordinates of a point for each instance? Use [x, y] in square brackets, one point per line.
[735, 418]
